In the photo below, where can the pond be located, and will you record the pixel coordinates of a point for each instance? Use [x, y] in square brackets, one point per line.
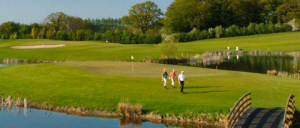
[2, 64]
[258, 64]
[34, 118]
[244, 63]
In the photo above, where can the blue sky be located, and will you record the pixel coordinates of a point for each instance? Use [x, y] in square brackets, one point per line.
[29, 11]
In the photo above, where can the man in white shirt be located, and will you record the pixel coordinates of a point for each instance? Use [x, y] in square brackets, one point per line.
[181, 79]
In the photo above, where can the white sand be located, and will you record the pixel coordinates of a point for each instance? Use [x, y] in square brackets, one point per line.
[37, 46]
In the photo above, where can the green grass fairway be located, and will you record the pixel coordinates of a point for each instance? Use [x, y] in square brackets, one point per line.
[91, 50]
[102, 85]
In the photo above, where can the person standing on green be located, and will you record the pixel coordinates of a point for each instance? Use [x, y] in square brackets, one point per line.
[181, 79]
[165, 78]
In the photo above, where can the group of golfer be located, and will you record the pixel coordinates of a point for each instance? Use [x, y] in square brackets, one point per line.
[181, 79]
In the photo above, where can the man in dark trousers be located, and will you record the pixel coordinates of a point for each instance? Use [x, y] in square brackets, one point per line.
[181, 79]
[164, 78]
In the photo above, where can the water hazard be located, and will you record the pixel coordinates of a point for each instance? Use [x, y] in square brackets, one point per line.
[34, 118]
[244, 63]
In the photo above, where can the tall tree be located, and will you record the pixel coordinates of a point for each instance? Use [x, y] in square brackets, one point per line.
[269, 10]
[184, 15]
[243, 12]
[288, 10]
[24, 30]
[57, 21]
[74, 23]
[143, 16]
[8, 28]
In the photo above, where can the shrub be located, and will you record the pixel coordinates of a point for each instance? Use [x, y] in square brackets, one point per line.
[194, 34]
[244, 31]
[211, 33]
[88, 35]
[108, 36]
[14, 36]
[182, 37]
[50, 34]
[278, 27]
[232, 31]
[80, 35]
[168, 48]
[61, 35]
[219, 31]
[270, 28]
[251, 28]
[72, 35]
[287, 28]
[263, 28]
[152, 39]
[130, 110]
[140, 39]
[203, 35]
[97, 36]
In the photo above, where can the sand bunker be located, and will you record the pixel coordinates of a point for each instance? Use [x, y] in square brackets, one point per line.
[38, 46]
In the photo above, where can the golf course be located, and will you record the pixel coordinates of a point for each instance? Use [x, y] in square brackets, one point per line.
[98, 80]
[100, 51]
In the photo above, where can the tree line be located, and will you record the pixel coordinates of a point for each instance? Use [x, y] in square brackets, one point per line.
[186, 20]
[184, 15]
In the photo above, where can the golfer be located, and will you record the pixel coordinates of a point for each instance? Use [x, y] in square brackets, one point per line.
[181, 79]
[165, 77]
[172, 77]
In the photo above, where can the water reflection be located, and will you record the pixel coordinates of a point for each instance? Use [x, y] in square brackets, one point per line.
[240, 62]
[19, 117]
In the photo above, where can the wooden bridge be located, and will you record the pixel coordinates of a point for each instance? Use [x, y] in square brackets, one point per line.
[242, 115]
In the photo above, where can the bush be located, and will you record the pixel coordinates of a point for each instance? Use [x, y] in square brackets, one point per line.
[97, 36]
[13, 36]
[88, 35]
[194, 34]
[211, 33]
[251, 29]
[61, 35]
[80, 35]
[270, 28]
[287, 28]
[244, 31]
[203, 35]
[72, 35]
[262, 28]
[50, 34]
[232, 31]
[219, 31]
[152, 39]
[140, 39]
[127, 36]
[278, 28]
[182, 37]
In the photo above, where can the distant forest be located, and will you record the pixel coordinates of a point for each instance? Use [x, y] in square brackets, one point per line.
[185, 20]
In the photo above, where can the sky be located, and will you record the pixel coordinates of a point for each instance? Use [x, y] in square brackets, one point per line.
[30, 11]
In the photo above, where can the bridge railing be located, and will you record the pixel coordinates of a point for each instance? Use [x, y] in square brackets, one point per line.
[289, 112]
[240, 107]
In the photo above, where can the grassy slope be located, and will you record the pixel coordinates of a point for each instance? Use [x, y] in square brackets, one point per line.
[90, 50]
[102, 85]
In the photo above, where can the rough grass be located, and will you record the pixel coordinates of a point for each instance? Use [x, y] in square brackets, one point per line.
[103, 85]
[92, 50]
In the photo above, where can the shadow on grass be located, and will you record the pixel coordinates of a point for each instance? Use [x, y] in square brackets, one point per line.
[207, 92]
[199, 87]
